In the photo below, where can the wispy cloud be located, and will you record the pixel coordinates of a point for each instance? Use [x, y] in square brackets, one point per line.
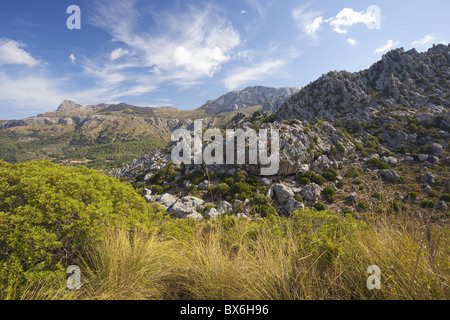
[258, 6]
[257, 72]
[425, 40]
[309, 21]
[33, 92]
[118, 53]
[389, 45]
[191, 45]
[11, 52]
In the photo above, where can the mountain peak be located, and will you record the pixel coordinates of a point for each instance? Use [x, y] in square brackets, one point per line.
[68, 105]
[269, 98]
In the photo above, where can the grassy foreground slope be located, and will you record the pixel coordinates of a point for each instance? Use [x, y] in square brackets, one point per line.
[52, 217]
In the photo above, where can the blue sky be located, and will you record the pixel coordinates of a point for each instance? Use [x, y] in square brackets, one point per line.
[183, 53]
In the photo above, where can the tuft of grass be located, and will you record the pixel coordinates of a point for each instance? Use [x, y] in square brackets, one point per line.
[127, 266]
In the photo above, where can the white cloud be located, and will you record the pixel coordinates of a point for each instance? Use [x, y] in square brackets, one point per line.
[389, 45]
[259, 71]
[118, 53]
[32, 92]
[189, 45]
[309, 22]
[352, 42]
[243, 12]
[348, 17]
[11, 52]
[72, 58]
[425, 40]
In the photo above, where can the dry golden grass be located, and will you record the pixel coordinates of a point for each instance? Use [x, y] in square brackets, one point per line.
[310, 256]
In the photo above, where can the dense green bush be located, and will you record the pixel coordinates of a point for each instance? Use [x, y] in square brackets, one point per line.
[242, 189]
[312, 177]
[377, 195]
[329, 193]
[377, 163]
[196, 177]
[445, 197]
[305, 181]
[319, 206]
[260, 204]
[49, 213]
[330, 174]
[411, 196]
[219, 190]
[362, 206]
[427, 204]
[166, 174]
[352, 172]
[160, 190]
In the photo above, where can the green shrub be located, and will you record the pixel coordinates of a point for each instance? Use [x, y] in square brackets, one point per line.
[166, 174]
[394, 206]
[197, 177]
[299, 198]
[305, 181]
[377, 195]
[319, 206]
[340, 184]
[238, 207]
[411, 196]
[49, 213]
[157, 189]
[241, 176]
[318, 179]
[445, 197]
[242, 189]
[192, 188]
[427, 204]
[329, 193]
[352, 172]
[433, 194]
[377, 163]
[359, 147]
[362, 206]
[330, 174]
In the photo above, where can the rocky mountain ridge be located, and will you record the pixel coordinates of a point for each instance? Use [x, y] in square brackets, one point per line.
[409, 79]
[269, 98]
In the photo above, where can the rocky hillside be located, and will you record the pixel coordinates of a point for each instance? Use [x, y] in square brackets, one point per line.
[376, 140]
[409, 81]
[269, 98]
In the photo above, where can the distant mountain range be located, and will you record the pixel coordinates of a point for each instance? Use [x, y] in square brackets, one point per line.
[110, 135]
